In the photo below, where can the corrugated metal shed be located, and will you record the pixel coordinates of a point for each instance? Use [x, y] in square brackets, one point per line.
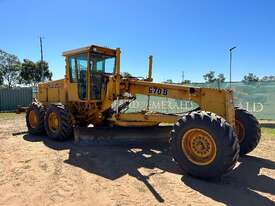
[10, 98]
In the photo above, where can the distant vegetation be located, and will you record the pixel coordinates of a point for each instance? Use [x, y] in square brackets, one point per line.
[268, 78]
[14, 73]
[29, 73]
[126, 74]
[250, 77]
[32, 73]
[210, 77]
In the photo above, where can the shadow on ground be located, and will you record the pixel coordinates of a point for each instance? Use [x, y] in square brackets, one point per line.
[240, 187]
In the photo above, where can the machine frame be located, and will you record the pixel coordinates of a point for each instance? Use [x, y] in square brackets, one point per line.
[94, 111]
[206, 142]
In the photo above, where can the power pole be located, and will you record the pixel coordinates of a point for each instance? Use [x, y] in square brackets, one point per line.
[182, 77]
[41, 55]
[230, 75]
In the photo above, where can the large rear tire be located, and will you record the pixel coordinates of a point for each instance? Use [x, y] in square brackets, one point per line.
[35, 118]
[204, 145]
[248, 130]
[58, 123]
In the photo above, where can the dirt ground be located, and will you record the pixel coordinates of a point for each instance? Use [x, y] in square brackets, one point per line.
[37, 171]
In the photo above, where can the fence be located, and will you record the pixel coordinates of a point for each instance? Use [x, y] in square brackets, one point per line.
[10, 98]
[258, 98]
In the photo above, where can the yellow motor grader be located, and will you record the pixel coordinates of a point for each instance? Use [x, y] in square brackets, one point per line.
[205, 142]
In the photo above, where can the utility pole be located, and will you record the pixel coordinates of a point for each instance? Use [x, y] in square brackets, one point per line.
[182, 77]
[41, 55]
[230, 72]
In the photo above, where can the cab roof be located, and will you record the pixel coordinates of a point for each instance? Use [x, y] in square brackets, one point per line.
[93, 48]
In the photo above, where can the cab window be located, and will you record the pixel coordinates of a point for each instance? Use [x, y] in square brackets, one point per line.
[78, 71]
[73, 70]
[102, 64]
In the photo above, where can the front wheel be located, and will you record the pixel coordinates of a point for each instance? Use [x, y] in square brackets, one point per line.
[248, 130]
[204, 145]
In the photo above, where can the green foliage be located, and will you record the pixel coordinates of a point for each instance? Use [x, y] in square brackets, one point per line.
[126, 74]
[250, 77]
[1, 78]
[43, 71]
[221, 78]
[268, 132]
[210, 77]
[186, 82]
[28, 72]
[33, 73]
[9, 69]
[168, 81]
[268, 78]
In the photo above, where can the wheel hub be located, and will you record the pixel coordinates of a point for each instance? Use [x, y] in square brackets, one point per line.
[33, 120]
[53, 121]
[199, 146]
[240, 130]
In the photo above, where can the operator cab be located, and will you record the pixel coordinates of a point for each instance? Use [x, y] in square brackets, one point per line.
[89, 68]
[100, 65]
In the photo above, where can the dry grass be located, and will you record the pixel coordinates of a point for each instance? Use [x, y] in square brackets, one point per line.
[268, 132]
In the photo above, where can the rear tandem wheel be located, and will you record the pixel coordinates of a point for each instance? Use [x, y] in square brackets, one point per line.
[57, 122]
[35, 118]
[248, 130]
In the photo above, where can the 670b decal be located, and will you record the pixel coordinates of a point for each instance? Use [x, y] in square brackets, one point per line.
[160, 91]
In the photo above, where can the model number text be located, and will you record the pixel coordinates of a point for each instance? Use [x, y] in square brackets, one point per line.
[160, 91]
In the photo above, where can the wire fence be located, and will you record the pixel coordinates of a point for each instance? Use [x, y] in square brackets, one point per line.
[256, 97]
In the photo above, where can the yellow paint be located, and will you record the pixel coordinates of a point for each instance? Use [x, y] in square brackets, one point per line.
[64, 91]
[199, 146]
[147, 117]
[33, 120]
[53, 122]
[134, 123]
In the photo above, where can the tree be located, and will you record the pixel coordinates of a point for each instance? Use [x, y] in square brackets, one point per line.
[126, 74]
[250, 77]
[42, 71]
[27, 74]
[221, 78]
[186, 82]
[209, 77]
[9, 69]
[168, 81]
[268, 78]
[1, 78]
[33, 73]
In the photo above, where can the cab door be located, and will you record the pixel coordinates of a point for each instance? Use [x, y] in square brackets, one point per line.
[97, 81]
[101, 66]
[78, 74]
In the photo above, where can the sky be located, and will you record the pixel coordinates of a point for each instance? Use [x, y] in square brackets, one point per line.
[193, 36]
